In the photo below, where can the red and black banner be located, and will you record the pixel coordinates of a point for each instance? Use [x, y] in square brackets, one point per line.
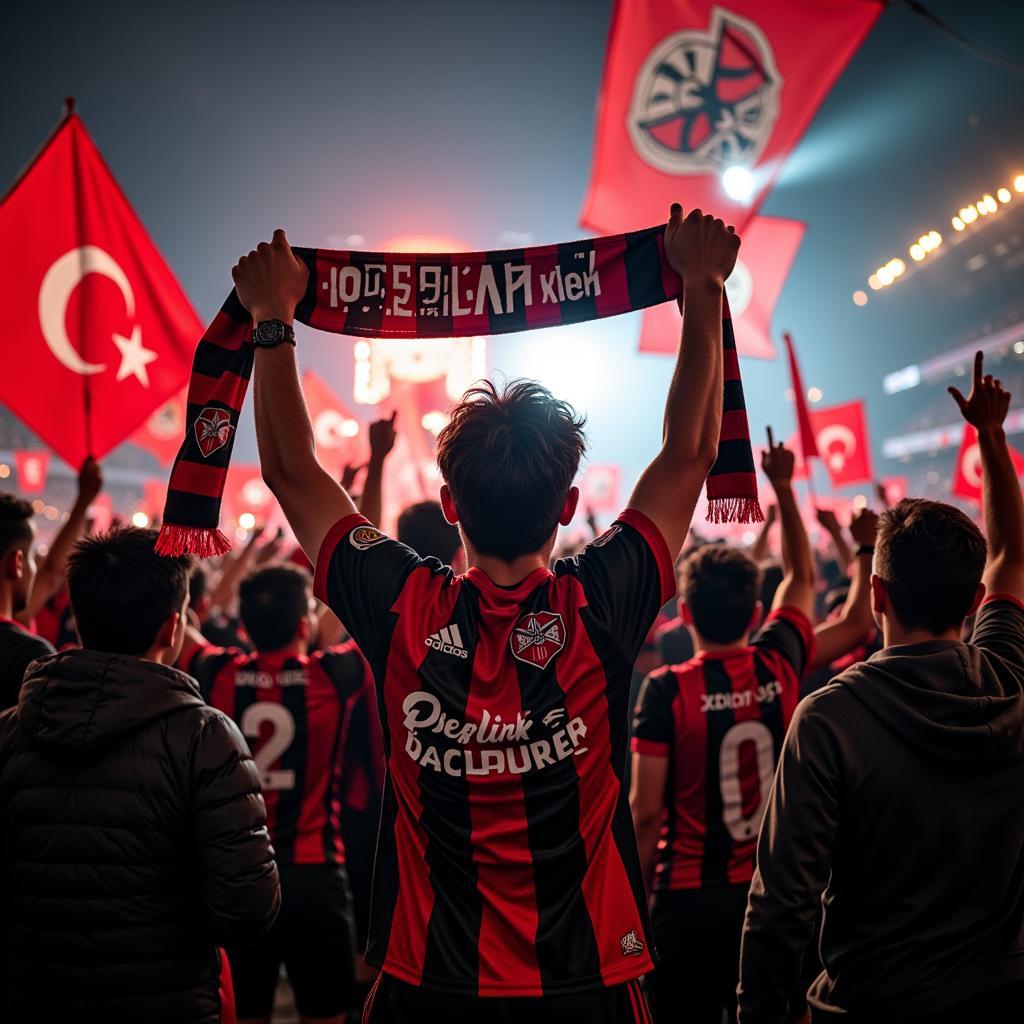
[403, 295]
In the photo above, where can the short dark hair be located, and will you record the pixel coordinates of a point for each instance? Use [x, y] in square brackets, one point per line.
[122, 591]
[509, 457]
[15, 523]
[424, 528]
[720, 586]
[930, 557]
[272, 601]
[198, 584]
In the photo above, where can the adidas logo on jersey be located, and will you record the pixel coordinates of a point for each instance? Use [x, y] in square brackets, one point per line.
[631, 945]
[447, 641]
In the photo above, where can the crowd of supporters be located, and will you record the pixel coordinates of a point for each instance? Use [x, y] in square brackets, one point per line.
[654, 776]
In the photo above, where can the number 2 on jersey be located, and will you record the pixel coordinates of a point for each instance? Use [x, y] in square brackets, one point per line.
[282, 732]
[743, 829]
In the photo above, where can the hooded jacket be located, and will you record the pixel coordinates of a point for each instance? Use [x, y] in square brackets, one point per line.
[133, 843]
[899, 794]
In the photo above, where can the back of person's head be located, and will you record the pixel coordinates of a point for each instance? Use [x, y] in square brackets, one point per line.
[930, 558]
[509, 458]
[424, 528]
[721, 586]
[273, 602]
[17, 548]
[15, 524]
[123, 594]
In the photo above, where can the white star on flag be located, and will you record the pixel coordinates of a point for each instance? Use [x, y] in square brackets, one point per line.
[134, 358]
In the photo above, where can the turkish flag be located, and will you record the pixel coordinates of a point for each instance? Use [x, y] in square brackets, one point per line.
[895, 488]
[339, 441]
[161, 433]
[32, 468]
[841, 436]
[805, 432]
[98, 332]
[692, 87]
[768, 250]
[967, 474]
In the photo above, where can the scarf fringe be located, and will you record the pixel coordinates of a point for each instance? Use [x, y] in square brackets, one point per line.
[175, 541]
[734, 510]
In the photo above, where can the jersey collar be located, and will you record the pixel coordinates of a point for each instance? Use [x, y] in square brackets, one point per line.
[514, 594]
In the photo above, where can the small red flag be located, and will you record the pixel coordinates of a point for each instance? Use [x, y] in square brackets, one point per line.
[599, 488]
[895, 489]
[245, 491]
[768, 250]
[339, 441]
[808, 445]
[692, 88]
[842, 443]
[33, 469]
[161, 433]
[98, 332]
[967, 475]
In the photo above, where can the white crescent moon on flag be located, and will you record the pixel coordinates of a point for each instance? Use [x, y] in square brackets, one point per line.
[60, 281]
[970, 465]
[847, 440]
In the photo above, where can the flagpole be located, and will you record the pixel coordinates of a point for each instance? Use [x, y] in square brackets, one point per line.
[69, 110]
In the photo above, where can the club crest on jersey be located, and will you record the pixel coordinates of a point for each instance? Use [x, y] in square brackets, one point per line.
[704, 100]
[631, 944]
[213, 430]
[537, 638]
[363, 537]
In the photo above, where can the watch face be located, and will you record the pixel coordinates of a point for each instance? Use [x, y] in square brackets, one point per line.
[269, 330]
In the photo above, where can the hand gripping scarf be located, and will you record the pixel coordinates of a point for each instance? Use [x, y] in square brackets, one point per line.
[398, 295]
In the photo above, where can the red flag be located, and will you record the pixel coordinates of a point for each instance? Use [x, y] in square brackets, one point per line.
[691, 88]
[339, 441]
[102, 513]
[161, 433]
[967, 474]
[841, 437]
[808, 446]
[245, 491]
[32, 469]
[599, 488]
[769, 247]
[895, 488]
[98, 332]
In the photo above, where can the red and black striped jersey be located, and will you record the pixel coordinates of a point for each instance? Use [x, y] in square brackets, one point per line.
[310, 723]
[507, 862]
[720, 719]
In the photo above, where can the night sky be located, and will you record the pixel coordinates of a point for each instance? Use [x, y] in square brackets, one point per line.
[474, 120]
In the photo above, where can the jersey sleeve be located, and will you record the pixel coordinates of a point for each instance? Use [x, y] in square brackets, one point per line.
[627, 576]
[654, 724]
[204, 666]
[787, 634]
[359, 574]
[999, 629]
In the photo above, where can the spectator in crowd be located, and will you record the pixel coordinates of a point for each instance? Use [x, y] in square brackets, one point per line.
[312, 726]
[424, 528]
[706, 739]
[898, 789]
[18, 646]
[488, 880]
[133, 835]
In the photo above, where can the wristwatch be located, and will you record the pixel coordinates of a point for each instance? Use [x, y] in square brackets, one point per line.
[268, 333]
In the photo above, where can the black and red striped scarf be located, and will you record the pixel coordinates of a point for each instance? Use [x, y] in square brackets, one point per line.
[399, 295]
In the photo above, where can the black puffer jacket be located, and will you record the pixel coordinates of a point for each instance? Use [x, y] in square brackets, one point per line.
[133, 842]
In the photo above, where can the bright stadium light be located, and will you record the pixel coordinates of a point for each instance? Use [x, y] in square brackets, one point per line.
[1003, 195]
[738, 183]
[140, 519]
[246, 520]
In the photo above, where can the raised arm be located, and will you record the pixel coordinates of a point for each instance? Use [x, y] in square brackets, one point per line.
[759, 549]
[382, 440]
[830, 524]
[834, 639]
[270, 282]
[703, 252]
[51, 573]
[797, 587]
[985, 409]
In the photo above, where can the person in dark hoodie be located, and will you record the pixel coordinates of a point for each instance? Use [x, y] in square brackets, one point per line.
[133, 836]
[898, 793]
